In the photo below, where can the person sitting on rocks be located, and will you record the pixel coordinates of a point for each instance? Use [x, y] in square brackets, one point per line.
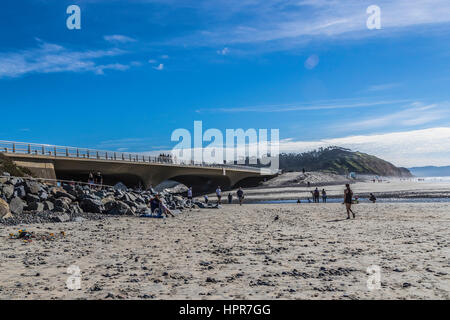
[372, 198]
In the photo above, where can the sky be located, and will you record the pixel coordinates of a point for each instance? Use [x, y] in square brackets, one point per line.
[137, 70]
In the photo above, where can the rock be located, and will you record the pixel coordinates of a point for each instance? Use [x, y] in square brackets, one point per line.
[118, 208]
[59, 192]
[120, 186]
[79, 219]
[16, 205]
[36, 206]
[49, 206]
[62, 204]
[4, 210]
[31, 198]
[92, 206]
[43, 195]
[6, 174]
[62, 218]
[75, 208]
[8, 191]
[32, 187]
[19, 191]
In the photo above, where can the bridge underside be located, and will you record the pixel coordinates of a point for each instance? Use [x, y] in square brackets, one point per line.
[202, 179]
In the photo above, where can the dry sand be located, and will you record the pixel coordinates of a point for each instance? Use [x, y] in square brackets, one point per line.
[305, 251]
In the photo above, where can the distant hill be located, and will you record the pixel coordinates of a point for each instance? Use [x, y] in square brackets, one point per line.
[340, 161]
[431, 171]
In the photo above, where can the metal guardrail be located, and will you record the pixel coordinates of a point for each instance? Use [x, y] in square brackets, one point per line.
[83, 153]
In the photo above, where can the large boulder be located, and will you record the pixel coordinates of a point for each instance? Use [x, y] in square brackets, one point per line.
[118, 208]
[62, 204]
[19, 191]
[36, 206]
[4, 210]
[61, 218]
[58, 192]
[31, 198]
[16, 205]
[120, 186]
[92, 206]
[32, 187]
[8, 191]
[49, 206]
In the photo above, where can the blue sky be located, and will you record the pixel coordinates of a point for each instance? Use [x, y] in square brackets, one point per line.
[137, 70]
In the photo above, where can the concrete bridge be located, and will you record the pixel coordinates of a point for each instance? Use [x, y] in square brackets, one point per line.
[68, 163]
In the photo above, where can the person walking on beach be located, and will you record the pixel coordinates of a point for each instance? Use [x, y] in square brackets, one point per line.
[230, 198]
[372, 198]
[348, 197]
[189, 195]
[219, 195]
[324, 196]
[240, 194]
[206, 199]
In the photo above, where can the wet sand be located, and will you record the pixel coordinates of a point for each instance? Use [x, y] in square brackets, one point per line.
[289, 251]
[385, 189]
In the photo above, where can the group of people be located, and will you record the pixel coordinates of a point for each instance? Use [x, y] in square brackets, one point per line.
[239, 193]
[316, 195]
[95, 179]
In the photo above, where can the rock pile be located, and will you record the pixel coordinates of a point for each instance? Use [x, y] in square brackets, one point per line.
[27, 197]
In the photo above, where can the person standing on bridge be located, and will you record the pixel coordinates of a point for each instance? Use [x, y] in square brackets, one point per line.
[219, 195]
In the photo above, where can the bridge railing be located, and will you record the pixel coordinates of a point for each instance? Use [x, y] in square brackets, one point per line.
[83, 153]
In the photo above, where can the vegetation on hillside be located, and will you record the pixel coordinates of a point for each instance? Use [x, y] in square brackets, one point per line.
[8, 166]
[340, 161]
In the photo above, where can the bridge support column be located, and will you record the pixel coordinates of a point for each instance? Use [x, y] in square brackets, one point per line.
[39, 168]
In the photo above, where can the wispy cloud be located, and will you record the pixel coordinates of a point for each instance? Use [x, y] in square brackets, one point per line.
[293, 22]
[382, 87]
[118, 38]
[51, 58]
[411, 115]
[323, 105]
[159, 67]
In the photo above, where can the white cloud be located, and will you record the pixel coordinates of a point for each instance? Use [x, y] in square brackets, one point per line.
[118, 38]
[159, 67]
[408, 148]
[50, 58]
[152, 61]
[164, 56]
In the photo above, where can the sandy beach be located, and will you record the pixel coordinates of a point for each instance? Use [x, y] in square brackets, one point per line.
[287, 251]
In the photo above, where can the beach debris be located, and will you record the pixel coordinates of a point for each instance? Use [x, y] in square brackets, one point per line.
[28, 236]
